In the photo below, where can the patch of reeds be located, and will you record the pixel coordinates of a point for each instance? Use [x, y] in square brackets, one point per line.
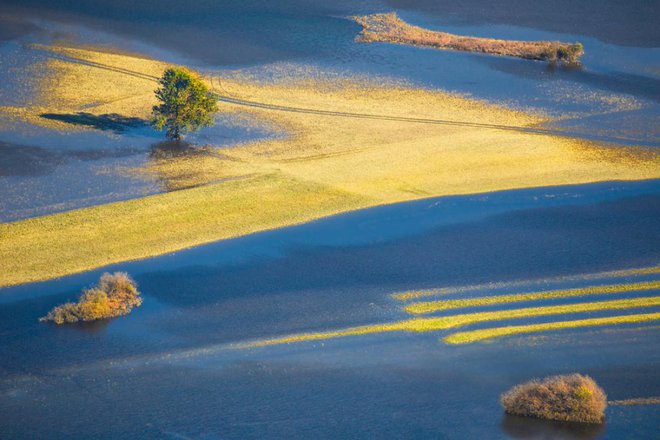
[390, 28]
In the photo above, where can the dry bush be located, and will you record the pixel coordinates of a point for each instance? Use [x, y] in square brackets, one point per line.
[390, 28]
[569, 398]
[115, 295]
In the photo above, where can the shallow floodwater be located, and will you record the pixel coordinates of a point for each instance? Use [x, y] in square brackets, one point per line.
[169, 369]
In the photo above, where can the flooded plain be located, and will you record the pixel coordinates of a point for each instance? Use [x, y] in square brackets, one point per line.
[178, 367]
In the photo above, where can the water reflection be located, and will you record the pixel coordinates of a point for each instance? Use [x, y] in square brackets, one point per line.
[632, 22]
[90, 327]
[526, 428]
[19, 160]
[173, 149]
[617, 82]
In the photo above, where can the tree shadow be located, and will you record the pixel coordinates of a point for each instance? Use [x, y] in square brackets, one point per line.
[107, 122]
[527, 428]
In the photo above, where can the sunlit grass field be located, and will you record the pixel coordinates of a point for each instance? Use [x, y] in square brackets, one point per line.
[433, 144]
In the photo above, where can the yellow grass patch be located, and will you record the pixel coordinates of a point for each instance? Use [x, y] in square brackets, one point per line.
[497, 332]
[55, 245]
[433, 144]
[434, 306]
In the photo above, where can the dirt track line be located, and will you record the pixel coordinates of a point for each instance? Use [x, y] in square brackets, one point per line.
[255, 104]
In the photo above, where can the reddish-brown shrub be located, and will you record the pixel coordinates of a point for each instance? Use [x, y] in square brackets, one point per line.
[115, 295]
[570, 398]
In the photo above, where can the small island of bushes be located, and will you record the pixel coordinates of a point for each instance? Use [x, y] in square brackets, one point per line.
[569, 398]
[115, 295]
[390, 28]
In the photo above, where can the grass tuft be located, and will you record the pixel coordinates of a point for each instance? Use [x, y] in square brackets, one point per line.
[115, 295]
[569, 398]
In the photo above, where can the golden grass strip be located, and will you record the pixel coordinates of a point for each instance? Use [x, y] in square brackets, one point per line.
[447, 322]
[497, 332]
[391, 29]
[323, 166]
[435, 306]
[415, 294]
[55, 245]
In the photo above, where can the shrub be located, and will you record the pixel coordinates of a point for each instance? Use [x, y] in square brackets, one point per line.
[115, 295]
[570, 53]
[570, 398]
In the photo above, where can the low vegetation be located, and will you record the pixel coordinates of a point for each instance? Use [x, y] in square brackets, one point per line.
[434, 306]
[416, 294]
[115, 295]
[497, 332]
[449, 322]
[569, 398]
[636, 401]
[390, 28]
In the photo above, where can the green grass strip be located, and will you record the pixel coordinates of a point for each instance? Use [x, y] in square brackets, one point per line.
[434, 306]
[497, 332]
[447, 322]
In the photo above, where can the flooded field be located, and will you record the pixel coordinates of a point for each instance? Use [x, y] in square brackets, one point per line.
[373, 241]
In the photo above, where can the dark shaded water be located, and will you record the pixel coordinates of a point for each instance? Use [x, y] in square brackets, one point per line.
[166, 371]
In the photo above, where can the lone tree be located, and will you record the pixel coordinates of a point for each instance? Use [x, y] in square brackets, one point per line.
[185, 104]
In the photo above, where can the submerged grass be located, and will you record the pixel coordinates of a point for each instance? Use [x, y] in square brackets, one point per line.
[447, 322]
[416, 294]
[435, 306]
[325, 164]
[497, 332]
[390, 28]
[636, 401]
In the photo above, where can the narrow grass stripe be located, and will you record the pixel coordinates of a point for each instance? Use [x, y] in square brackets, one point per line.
[415, 294]
[636, 401]
[434, 306]
[497, 332]
[447, 322]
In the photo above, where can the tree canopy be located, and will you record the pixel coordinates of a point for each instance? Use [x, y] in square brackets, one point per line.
[185, 103]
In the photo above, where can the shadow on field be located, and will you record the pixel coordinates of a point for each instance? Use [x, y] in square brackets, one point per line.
[523, 244]
[109, 121]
